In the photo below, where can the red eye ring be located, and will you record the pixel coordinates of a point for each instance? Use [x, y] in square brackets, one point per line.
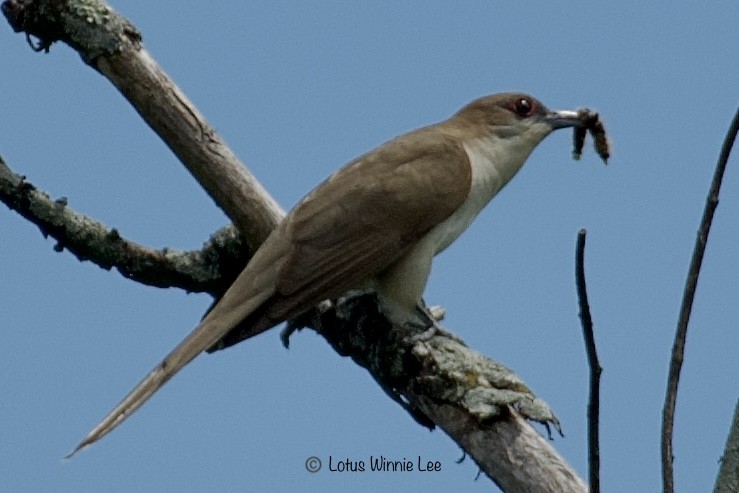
[523, 106]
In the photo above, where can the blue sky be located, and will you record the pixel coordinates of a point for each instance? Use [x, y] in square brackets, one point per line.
[299, 88]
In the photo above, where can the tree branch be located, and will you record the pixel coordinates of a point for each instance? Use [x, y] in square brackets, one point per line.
[678, 348]
[478, 402]
[112, 45]
[437, 379]
[207, 270]
[593, 364]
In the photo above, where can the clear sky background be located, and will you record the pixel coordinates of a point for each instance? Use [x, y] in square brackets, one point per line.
[299, 88]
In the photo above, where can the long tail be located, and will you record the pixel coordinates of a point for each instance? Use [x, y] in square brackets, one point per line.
[201, 338]
[230, 310]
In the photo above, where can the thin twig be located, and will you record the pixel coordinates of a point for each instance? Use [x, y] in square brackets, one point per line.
[593, 364]
[678, 348]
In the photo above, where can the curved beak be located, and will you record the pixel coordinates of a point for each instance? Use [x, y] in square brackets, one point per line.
[564, 119]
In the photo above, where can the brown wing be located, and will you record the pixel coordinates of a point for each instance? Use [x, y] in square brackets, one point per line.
[368, 215]
[356, 223]
[352, 226]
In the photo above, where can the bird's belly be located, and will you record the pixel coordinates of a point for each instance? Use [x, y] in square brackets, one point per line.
[446, 232]
[490, 173]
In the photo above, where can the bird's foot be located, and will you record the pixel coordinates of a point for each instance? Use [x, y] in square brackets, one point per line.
[425, 324]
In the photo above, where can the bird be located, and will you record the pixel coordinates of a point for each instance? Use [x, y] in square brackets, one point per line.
[375, 224]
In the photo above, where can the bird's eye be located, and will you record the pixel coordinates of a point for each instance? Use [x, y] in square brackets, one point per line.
[523, 107]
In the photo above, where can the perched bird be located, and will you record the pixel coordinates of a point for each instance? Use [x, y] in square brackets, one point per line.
[376, 224]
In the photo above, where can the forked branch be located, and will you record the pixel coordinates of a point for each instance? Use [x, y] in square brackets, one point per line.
[480, 407]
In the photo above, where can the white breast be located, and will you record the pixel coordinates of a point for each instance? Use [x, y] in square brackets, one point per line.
[402, 285]
[492, 168]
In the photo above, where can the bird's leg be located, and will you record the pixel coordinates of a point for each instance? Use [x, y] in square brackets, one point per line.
[290, 328]
[304, 320]
[427, 325]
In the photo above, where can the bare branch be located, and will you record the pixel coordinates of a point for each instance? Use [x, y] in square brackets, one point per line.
[593, 364]
[194, 271]
[112, 45]
[524, 462]
[439, 380]
[479, 403]
[678, 348]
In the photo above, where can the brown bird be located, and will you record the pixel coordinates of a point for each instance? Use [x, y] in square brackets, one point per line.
[376, 224]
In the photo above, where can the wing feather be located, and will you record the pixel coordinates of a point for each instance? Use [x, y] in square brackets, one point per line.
[370, 214]
[358, 222]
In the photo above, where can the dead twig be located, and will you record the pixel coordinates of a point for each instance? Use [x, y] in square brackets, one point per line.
[678, 348]
[593, 364]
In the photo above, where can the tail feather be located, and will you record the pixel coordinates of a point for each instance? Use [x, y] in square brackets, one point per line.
[233, 308]
[204, 336]
[247, 296]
